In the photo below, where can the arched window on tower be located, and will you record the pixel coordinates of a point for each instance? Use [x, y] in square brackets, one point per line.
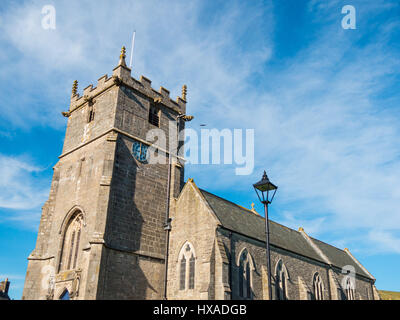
[318, 287]
[245, 275]
[187, 267]
[90, 116]
[281, 278]
[71, 243]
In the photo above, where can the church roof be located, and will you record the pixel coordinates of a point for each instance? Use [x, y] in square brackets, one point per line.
[339, 257]
[243, 221]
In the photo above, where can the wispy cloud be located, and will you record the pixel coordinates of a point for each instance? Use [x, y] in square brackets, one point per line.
[329, 135]
[325, 119]
[385, 241]
[23, 192]
[337, 136]
[19, 190]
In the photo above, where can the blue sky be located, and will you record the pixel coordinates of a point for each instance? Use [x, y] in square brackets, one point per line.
[323, 101]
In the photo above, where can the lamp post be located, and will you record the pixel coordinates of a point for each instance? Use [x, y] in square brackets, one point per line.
[263, 189]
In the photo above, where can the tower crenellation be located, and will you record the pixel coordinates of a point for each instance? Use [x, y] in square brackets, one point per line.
[143, 85]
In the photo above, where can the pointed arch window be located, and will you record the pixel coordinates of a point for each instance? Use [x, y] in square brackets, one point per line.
[70, 253]
[245, 275]
[318, 287]
[350, 292]
[187, 267]
[281, 278]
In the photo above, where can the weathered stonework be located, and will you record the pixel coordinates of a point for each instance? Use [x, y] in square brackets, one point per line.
[121, 247]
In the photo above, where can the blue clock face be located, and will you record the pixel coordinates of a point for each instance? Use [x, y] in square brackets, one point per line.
[139, 151]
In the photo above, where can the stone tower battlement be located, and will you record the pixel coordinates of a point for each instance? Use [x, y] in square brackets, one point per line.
[122, 77]
[118, 102]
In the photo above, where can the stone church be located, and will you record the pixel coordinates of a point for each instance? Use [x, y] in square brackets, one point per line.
[117, 227]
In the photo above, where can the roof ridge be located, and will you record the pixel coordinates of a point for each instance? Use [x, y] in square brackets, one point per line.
[343, 251]
[327, 244]
[315, 246]
[358, 262]
[226, 200]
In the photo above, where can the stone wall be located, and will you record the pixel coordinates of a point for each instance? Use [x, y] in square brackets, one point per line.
[81, 179]
[191, 222]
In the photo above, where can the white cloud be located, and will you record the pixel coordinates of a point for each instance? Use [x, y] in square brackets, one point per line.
[21, 189]
[385, 241]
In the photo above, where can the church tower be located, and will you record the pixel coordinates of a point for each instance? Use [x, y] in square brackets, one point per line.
[102, 231]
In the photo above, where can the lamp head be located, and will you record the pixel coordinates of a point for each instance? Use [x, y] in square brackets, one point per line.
[263, 188]
[264, 184]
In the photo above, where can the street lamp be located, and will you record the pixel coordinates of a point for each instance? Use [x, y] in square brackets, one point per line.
[264, 188]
